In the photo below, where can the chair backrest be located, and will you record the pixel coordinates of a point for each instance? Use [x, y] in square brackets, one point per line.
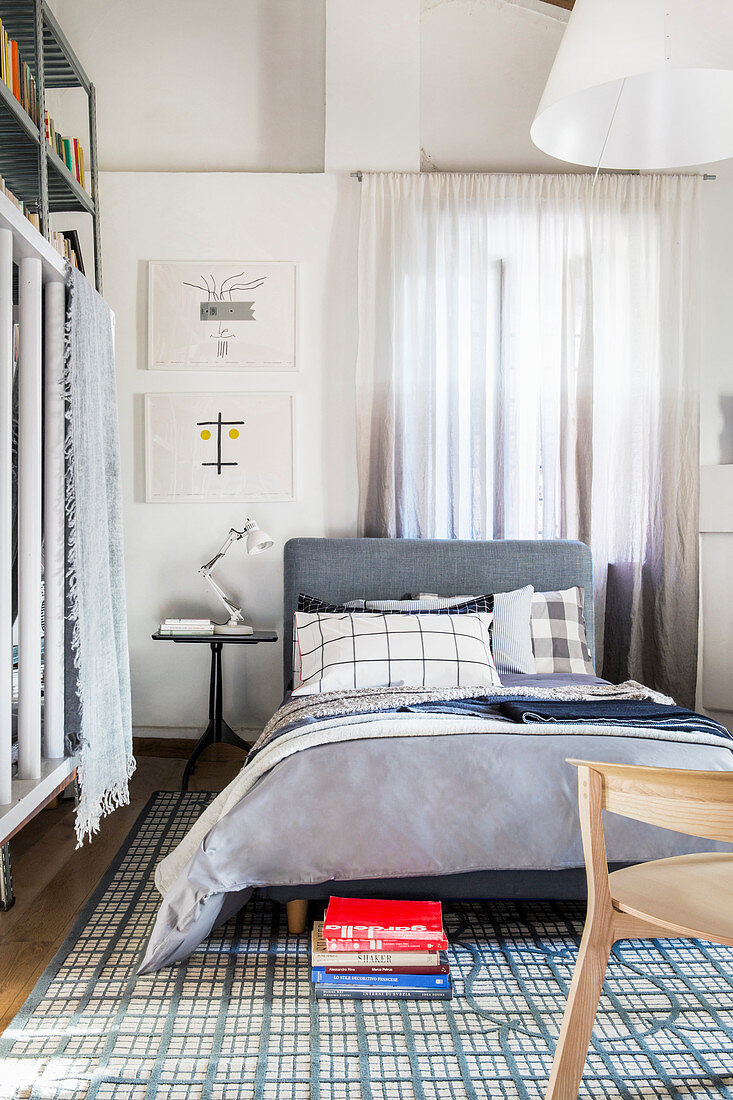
[691, 802]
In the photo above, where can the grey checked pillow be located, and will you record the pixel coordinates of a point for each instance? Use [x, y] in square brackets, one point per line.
[558, 632]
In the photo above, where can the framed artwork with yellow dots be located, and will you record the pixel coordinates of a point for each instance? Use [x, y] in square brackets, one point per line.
[221, 316]
[228, 447]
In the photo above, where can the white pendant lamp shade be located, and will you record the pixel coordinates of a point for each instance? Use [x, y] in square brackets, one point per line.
[644, 84]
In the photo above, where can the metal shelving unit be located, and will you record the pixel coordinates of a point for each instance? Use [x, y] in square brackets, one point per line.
[33, 170]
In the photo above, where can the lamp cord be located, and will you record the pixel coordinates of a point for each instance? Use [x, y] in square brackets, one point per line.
[608, 131]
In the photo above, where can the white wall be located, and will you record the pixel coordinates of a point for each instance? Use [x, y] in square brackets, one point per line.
[484, 64]
[182, 86]
[373, 85]
[310, 219]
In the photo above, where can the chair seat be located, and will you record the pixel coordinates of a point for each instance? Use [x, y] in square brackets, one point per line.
[691, 895]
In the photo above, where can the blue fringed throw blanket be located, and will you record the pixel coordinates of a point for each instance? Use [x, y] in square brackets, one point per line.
[621, 712]
[95, 562]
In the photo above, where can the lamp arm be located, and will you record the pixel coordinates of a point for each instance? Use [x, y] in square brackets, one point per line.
[235, 613]
[233, 536]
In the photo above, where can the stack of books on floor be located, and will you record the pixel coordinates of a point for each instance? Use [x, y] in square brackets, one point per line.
[183, 627]
[366, 948]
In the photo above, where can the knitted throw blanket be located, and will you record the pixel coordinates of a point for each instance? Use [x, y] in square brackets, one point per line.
[94, 563]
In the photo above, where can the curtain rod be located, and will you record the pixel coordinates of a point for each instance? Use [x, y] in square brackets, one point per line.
[706, 175]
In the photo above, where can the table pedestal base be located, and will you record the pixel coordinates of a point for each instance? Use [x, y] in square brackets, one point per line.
[218, 732]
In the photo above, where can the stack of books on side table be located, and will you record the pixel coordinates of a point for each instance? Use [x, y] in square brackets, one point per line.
[182, 627]
[367, 948]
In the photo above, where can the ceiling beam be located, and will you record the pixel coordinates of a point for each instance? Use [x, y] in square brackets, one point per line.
[561, 3]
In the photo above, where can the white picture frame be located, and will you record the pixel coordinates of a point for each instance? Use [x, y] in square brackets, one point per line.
[250, 321]
[223, 448]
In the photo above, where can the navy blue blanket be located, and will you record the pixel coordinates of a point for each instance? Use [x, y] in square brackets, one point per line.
[620, 712]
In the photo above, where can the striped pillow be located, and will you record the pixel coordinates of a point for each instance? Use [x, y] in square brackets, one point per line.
[351, 650]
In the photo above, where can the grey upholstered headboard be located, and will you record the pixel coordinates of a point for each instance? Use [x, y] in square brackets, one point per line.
[345, 569]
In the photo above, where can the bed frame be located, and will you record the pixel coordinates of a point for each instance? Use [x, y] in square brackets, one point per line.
[343, 569]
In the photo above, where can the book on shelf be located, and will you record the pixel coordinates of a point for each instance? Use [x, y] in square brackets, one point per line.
[69, 150]
[368, 924]
[17, 76]
[25, 208]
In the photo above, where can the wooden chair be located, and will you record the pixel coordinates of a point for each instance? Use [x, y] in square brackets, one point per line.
[689, 895]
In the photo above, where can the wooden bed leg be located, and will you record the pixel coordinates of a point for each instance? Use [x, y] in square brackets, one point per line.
[297, 915]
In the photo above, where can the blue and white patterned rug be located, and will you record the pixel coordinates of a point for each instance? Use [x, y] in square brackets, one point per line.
[238, 1019]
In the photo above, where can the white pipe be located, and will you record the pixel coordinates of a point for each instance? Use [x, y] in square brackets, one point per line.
[30, 493]
[6, 515]
[53, 521]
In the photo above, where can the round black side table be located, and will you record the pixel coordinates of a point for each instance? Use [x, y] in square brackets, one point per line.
[218, 731]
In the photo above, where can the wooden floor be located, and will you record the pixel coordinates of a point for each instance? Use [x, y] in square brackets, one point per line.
[52, 880]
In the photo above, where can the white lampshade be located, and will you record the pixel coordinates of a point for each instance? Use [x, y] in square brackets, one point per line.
[257, 540]
[644, 84]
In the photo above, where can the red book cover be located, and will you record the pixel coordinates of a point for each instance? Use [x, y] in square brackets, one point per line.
[361, 924]
[76, 158]
[387, 945]
[16, 70]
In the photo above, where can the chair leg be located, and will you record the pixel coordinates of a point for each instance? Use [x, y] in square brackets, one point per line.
[297, 914]
[580, 1012]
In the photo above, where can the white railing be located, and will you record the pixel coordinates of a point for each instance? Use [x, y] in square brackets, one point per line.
[42, 767]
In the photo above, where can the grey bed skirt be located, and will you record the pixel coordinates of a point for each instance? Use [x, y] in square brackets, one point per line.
[568, 884]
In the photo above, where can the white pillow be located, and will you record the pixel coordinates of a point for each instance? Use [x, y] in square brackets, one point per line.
[511, 639]
[341, 651]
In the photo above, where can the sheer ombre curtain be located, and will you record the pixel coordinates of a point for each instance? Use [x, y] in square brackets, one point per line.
[528, 368]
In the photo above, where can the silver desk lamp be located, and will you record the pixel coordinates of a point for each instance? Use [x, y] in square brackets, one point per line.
[257, 541]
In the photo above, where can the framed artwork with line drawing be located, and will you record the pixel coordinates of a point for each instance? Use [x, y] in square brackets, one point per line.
[221, 316]
[219, 447]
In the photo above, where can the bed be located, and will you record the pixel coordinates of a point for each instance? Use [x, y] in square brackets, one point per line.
[408, 803]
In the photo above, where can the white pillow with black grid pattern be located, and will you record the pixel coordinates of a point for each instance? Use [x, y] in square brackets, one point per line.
[338, 652]
[454, 605]
[558, 632]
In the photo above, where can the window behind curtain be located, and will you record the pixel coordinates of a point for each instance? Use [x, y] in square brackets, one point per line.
[527, 368]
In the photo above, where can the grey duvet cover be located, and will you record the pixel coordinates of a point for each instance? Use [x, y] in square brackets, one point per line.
[403, 795]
